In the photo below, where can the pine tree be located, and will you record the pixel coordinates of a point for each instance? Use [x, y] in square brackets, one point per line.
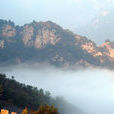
[1, 90]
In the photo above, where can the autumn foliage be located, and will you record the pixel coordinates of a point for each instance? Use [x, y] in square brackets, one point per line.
[42, 110]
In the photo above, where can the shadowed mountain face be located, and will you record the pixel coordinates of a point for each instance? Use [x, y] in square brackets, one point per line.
[46, 42]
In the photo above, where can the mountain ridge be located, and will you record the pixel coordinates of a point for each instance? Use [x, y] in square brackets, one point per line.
[47, 42]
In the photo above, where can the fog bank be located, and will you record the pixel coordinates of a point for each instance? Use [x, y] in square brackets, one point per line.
[90, 90]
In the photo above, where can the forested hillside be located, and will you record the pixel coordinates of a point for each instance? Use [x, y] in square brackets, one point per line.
[15, 96]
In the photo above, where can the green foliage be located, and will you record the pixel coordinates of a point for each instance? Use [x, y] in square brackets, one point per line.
[22, 95]
[1, 90]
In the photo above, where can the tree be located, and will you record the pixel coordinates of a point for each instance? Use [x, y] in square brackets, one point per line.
[12, 77]
[107, 40]
[47, 110]
[25, 111]
[1, 90]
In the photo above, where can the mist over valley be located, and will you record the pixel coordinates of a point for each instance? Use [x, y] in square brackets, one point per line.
[90, 90]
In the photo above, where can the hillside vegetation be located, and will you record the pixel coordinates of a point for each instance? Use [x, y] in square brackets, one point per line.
[15, 96]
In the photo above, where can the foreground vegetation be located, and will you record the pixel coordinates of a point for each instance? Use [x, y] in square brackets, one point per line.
[22, 95]
[42, 110]
[18, 95]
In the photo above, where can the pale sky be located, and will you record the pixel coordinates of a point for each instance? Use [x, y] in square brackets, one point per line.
[67, 13]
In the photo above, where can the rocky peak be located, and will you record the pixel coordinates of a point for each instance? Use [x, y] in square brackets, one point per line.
[7, 29]
[88, 45]
[108, 48]
[39, 34]
[27, 35]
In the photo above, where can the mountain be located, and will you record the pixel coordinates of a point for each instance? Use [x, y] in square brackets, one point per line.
[47, 42]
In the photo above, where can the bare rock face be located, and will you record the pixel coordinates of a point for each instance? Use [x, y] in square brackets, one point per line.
[44, 37]
[27, 35]
[8, 31]
[39, 34]
[108, 49]
[90, 48]
[1, 43]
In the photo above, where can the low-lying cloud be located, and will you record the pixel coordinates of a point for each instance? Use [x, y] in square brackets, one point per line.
[90, 90]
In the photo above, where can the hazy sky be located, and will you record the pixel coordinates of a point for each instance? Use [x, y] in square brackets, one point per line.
[68, 13]
[65, 12]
